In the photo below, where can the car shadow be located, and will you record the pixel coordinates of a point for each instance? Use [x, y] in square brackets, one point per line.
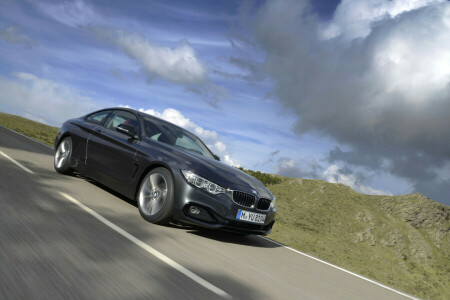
[232, 237]
[105, 188]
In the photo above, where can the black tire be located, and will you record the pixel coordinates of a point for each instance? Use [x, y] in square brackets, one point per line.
[63, 156]
[155, 196]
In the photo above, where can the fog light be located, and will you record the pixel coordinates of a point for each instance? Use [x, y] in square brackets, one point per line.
[194, 210]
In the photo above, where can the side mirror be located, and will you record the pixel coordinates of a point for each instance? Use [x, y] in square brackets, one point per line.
[127, 129]
[216, 157]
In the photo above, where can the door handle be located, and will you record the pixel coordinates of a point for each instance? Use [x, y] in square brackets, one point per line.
[98, 130]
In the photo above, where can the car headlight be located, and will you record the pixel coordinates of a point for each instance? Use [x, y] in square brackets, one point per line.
[203, 183]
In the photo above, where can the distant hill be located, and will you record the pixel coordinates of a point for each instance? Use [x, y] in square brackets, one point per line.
[401, 241]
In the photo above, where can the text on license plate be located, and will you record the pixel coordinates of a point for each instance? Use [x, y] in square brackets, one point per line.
[250, 216]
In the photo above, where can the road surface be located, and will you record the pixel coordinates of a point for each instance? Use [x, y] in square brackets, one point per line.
[66, 236]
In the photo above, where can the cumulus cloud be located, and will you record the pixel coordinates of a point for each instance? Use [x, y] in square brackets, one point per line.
[354, 18]
[305, 168]
[378, 84]
[13, 35]
[334, 174]
[42, 99]
[288, 167]
[179, 65]
[209, 137]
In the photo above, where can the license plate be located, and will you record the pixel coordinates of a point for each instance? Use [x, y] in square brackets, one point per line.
[250, 216]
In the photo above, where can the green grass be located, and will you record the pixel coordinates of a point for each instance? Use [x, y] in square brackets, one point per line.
[38, 131]
[400, 241]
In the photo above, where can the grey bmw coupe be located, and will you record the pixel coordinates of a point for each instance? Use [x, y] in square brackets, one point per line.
[169, 171]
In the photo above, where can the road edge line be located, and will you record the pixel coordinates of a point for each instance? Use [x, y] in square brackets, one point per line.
[17, 163]
[341, 269]
[150, 249]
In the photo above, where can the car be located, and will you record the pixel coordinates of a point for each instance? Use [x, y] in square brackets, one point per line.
[170, 172]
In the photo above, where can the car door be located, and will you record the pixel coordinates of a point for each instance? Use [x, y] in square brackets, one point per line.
[82, 130]
[110, 153]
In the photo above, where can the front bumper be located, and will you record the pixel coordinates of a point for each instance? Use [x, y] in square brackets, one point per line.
[217, 211]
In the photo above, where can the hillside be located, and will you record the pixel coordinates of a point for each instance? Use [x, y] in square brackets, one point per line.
[402, 241]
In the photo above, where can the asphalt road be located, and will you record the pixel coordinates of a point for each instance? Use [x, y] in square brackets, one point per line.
[51, 247]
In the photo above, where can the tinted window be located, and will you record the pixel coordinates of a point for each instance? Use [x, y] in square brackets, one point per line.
[169, 134]
[121, 117]
[188, 143]
[99, 117]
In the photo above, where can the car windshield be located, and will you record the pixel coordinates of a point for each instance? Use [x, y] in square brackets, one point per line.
[169, 134]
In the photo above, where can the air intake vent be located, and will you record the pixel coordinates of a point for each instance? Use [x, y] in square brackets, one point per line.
[244, 199]
[263, 204]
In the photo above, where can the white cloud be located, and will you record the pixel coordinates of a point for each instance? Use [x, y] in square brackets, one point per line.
[43, 99]
[287, 167]
[72, 13]
[179, 65]
[14, 36]
[209, 137]
[333, 174]
[355, 18]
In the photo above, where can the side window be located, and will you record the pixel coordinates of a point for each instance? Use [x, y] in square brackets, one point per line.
[151, 130]
[121, 117]
[98, 118]
[187, 143]
[158, 132]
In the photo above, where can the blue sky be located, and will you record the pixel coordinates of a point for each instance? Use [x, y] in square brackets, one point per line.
[267, 85]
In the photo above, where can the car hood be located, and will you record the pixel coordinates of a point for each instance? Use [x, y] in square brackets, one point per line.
[226, 176]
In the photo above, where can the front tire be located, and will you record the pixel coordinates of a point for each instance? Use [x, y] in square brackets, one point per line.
[63, 156]
[155, 196]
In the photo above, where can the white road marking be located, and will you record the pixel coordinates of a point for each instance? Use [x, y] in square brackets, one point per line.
[225, 295]
[17, 163]
[151, 250]
[339, 268]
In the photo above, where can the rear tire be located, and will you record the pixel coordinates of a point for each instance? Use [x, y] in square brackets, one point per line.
[155, 196]
[63, 156]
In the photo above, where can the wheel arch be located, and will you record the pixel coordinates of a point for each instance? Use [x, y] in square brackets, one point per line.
[61, 138]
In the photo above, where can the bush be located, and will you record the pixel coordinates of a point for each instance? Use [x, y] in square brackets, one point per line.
[265, 178]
